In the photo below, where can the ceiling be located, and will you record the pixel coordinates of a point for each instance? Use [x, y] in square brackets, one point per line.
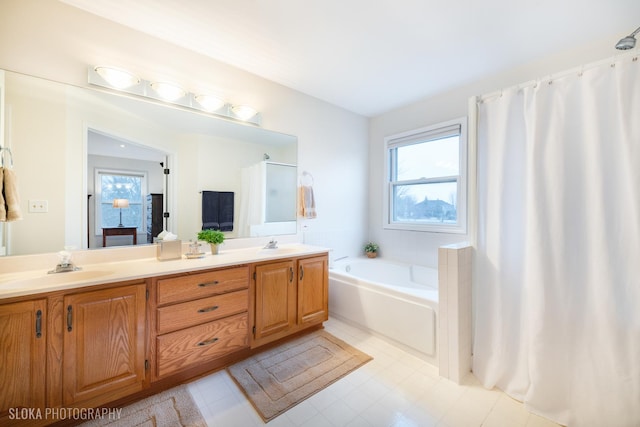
[367, 56]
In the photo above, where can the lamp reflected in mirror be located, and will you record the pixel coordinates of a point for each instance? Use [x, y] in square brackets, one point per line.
[120, 203]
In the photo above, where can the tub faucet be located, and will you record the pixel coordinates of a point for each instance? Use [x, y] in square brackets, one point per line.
[273, 244]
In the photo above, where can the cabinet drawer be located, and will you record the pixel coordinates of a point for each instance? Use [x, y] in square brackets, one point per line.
[202, 343]
[183, 315]
[193, 286]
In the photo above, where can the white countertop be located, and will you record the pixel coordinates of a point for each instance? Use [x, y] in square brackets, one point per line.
[34, 282]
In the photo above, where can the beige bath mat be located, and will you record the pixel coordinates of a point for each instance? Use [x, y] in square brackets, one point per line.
[282, 377]
[172, 408]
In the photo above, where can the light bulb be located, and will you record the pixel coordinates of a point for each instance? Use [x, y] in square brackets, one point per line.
[210, 103]
[168, 91]
[243, 112]
[119, 79]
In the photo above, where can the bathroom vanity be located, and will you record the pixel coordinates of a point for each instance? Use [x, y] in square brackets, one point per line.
[116, 332]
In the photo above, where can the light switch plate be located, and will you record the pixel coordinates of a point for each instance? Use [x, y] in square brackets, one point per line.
[38, 206]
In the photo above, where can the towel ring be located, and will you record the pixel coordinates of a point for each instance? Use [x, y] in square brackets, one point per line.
[307, 179]
[4, 150]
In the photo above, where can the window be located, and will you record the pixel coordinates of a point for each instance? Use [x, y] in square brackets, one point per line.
[111, 184]
[426, 179]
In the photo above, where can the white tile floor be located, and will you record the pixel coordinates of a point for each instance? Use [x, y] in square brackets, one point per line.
[394, 389]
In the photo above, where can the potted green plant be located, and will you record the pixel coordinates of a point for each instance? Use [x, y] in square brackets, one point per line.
[213, 237]
[371, 249]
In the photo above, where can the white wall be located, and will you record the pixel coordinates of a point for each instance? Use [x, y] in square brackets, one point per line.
[52, 40]
[421, 247]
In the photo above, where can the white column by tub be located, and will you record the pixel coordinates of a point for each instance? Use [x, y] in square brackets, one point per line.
[454, 311]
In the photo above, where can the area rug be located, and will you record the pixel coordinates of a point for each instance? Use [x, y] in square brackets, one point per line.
[284, 376]
[171, 408]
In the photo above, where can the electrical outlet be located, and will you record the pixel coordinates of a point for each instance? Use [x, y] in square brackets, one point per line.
[38, 206]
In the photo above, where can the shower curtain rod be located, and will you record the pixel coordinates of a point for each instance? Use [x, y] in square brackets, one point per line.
[634, 54]
[278, 163]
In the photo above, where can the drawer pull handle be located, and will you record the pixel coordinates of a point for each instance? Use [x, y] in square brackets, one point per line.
[207, 342]
[69, 318]
[39, 324]
[204, 285]
[208, 309]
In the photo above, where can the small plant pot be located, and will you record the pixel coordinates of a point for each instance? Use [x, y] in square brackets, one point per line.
[372, 254]
[214, 248]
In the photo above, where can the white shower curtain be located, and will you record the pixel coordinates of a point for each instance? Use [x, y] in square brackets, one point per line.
[557, 296]
[252, 199]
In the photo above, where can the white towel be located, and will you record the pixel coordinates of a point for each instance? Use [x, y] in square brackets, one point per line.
[11, 196]
[307, 202]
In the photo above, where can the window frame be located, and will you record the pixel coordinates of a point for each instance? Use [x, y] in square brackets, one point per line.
[98, 195]
[424, 135]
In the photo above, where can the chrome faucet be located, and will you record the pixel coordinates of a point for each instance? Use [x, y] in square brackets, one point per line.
[65, 264]
[273, 244]
[63, 268]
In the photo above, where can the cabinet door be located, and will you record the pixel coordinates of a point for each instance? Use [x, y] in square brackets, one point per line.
[275, 298]
[22, 356]
[313, 299]
[104, 344]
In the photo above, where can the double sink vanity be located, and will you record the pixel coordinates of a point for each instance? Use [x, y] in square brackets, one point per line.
[116, 331]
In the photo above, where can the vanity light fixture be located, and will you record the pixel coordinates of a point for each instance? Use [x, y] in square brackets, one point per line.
[243, 112]
[113, 78]
[120, 79]
[168, 91]
[209, 103]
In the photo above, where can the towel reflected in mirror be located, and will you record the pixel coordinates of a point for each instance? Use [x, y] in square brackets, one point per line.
[9, 197]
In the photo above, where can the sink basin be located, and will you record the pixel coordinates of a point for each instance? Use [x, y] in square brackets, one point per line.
[278, 251]
[45, 280]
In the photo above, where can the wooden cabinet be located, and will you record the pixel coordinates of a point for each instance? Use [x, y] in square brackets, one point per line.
[104, 344]
[275, 299]
[313, 291]
[110, 343]
[22, 357]
[200, 318]
[289, 296]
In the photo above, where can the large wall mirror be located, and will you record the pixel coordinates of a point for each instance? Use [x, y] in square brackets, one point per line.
[77, 149]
